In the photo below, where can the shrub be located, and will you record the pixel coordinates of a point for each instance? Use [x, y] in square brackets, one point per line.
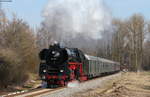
[11, 71]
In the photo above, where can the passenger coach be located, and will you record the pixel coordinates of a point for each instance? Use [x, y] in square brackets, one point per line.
[96, 66]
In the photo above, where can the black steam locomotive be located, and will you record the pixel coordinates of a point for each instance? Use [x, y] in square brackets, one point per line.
[59, 65]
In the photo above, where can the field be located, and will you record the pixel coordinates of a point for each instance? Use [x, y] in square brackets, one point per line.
[130, 84]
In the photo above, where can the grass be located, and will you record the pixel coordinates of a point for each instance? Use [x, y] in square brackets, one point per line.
[130, 84]
[33, 81]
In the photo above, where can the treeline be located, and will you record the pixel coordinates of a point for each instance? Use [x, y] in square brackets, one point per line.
[18, 51]
[130, 43]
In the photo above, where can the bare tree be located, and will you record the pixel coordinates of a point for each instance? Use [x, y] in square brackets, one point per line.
[128, 41]
[136, 29]
[18, 51]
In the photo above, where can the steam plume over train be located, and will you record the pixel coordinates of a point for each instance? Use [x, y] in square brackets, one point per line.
[77, 23]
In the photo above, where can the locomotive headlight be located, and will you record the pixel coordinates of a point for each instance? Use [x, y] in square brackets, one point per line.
[53, 52]
[44, 70]
[61, 70]
[43, 77]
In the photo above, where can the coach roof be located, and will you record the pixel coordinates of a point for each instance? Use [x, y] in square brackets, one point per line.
[88, 57]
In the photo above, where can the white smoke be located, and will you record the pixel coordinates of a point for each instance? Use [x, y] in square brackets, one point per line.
[77, 22]
[73, 84]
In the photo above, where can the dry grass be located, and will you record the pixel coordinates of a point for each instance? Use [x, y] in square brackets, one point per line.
[137, 81]
[130, 84]
[33, 82]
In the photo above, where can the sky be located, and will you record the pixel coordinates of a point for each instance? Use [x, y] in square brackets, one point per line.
[31, 10]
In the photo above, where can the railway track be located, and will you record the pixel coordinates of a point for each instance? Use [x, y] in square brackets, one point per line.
[31, 93]
[39, 92]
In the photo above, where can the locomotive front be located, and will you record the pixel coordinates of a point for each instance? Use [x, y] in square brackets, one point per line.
[59, 65]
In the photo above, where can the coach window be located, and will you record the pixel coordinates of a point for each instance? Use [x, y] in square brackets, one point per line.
[90, 66]
[98, 66]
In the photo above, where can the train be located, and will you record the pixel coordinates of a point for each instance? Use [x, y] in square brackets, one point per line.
[60, 65]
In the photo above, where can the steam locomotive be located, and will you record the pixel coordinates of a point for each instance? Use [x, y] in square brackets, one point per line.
[59, 65]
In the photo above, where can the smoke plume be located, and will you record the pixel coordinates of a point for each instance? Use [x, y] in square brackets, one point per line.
[77, 23]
